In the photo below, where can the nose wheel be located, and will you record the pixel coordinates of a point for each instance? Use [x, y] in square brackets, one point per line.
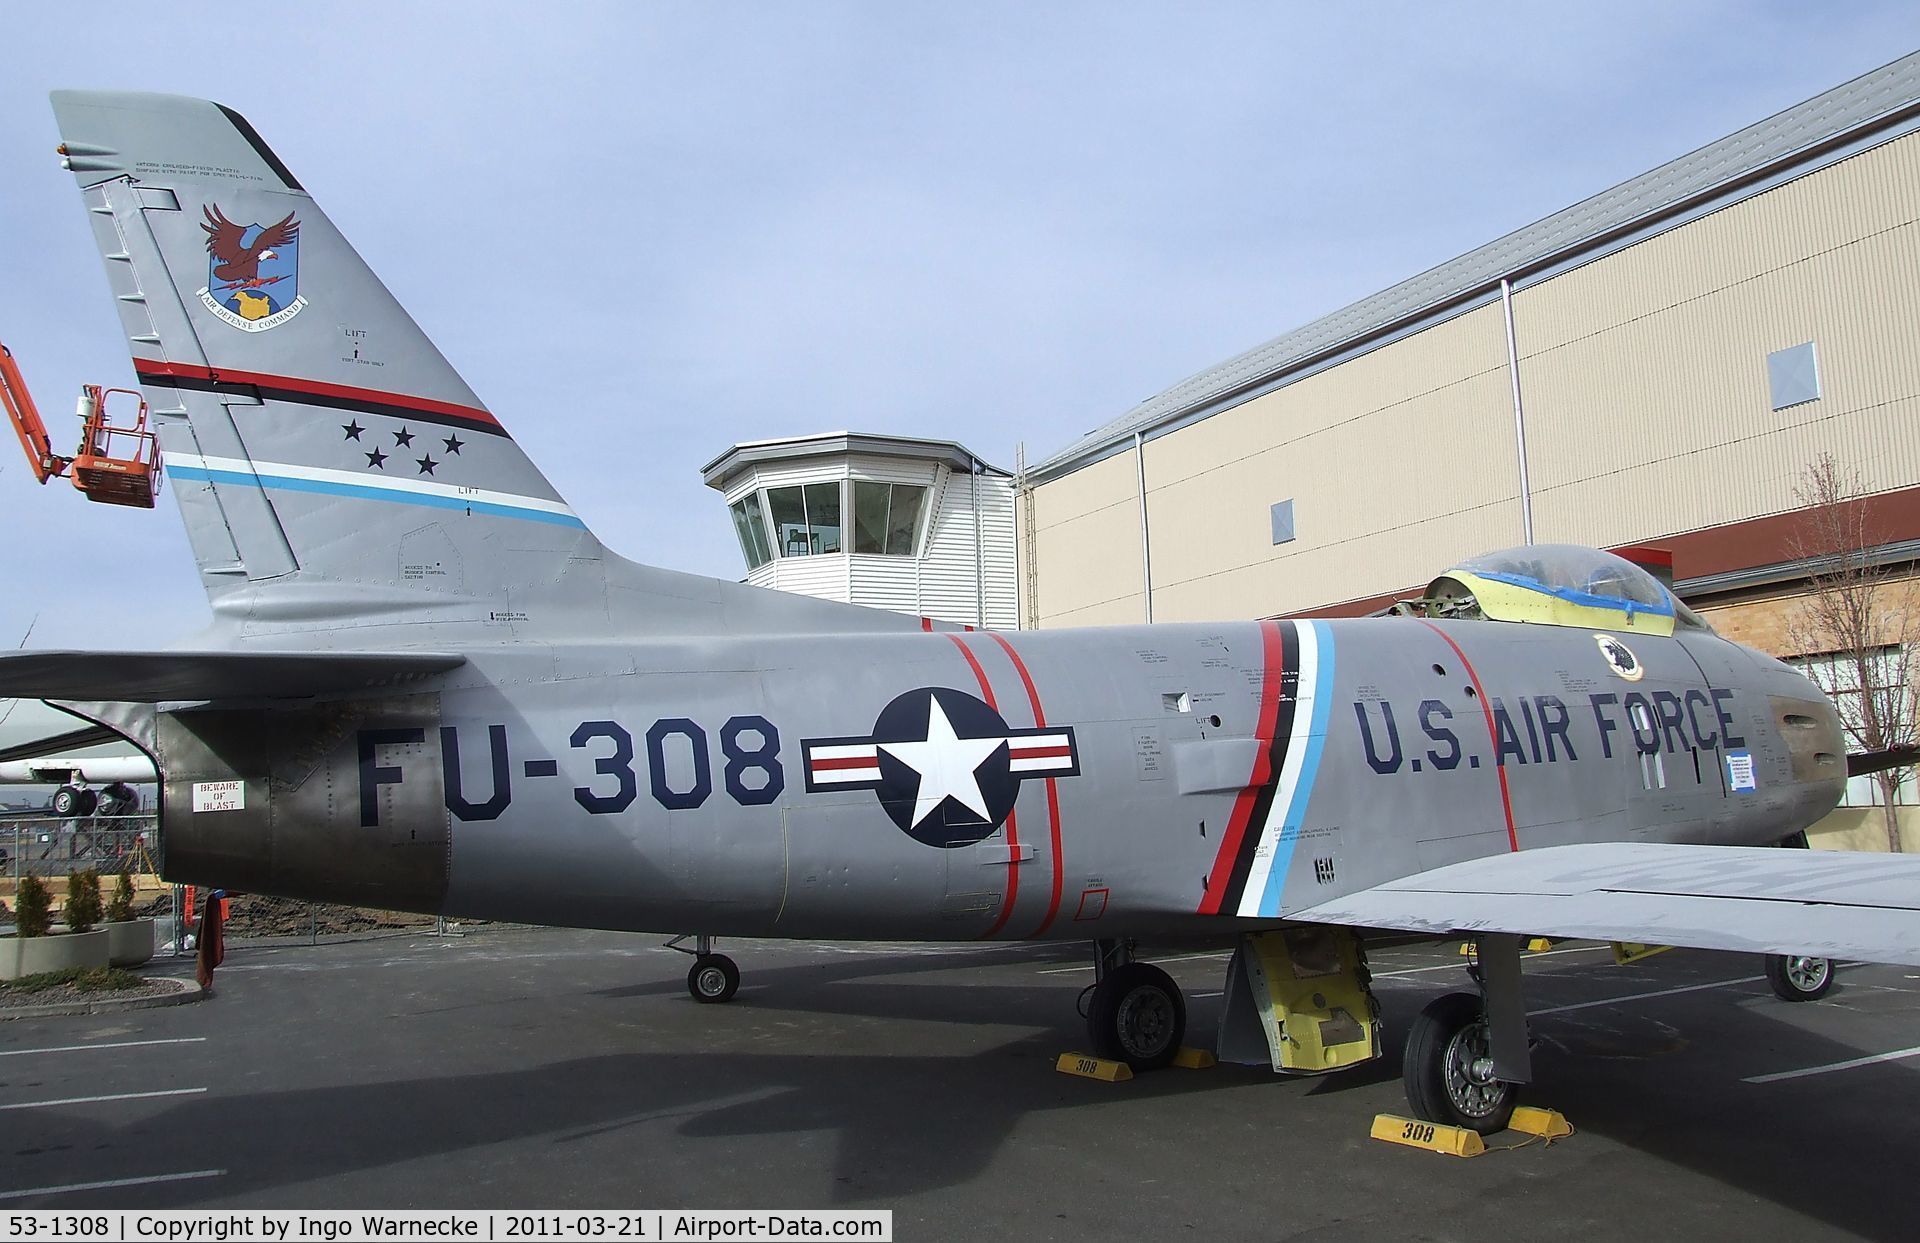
[1799, 977]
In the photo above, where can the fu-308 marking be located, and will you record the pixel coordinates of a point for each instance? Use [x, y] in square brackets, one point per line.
[748, 745]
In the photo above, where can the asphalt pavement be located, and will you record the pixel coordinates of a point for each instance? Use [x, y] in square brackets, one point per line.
[525, 1068]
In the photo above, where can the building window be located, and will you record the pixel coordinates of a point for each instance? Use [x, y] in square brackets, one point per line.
[886, 517]
[806, 520]
[1793, 376]
[1282, 514]
[1838, 674]
[752, 530]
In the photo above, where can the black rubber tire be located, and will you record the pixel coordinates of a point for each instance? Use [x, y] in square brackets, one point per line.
[1449, 1030]
[1137, 1016]
[66, 802]
[89, 802]
[712, 979]
[1815, 976]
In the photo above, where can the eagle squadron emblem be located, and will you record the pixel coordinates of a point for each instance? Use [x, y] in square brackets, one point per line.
[253, 271]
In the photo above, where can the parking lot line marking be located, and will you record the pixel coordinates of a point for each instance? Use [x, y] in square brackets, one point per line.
[111, 1182]
[1665, 992]
[94, 1100]
[1849, 1064]
[1175, 958]
[121, 1044]
[1461, 966]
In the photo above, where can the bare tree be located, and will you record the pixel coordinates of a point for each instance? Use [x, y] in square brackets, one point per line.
[1856, 627]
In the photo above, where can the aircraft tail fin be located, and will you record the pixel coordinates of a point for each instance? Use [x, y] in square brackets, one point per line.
[315, 437]
[332, 467]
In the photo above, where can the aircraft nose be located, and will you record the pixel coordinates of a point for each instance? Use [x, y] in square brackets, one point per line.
[1816, 740]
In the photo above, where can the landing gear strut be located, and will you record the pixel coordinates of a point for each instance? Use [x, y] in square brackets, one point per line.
[1137, 1014]
[713, 978]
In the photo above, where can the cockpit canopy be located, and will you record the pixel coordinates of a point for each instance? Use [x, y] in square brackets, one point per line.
[1558, 585]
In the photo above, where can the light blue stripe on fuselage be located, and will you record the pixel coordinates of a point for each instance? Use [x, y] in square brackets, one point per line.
[1316, 739]
[367, 492]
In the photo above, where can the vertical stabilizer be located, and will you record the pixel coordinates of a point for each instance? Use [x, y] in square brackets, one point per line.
[329, 462]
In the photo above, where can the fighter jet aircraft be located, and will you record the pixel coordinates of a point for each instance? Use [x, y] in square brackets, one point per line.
[429, 687]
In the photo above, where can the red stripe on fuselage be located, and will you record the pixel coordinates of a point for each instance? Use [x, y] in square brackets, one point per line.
[318, 388]
[1273, 663]
[1493, 735]
[1013, 831]
[851, 761]
[1053, 788]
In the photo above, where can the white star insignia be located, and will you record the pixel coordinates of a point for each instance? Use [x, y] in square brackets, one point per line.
[946, 764]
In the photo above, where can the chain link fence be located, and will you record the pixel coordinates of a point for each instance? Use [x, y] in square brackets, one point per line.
[53, 848]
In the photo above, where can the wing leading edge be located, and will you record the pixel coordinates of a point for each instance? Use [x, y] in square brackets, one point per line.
[155, 677]
[1835, 904]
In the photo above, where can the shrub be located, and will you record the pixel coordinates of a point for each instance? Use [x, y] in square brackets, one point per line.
[120, 906]
[83, 900]
[32, 913]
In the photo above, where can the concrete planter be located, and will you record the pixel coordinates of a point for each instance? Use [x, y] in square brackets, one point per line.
[32, 955]
[130, 942]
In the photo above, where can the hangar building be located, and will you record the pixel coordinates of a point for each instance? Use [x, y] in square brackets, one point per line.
[1657, 365]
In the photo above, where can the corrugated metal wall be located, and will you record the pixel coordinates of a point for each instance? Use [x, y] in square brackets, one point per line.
[1645, 373]
[1648, 414]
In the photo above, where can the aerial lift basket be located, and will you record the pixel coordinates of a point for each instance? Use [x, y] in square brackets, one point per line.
[116, 464]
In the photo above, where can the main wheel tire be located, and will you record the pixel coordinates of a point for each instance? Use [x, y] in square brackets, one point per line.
[713, 979]
[1448, 1069]
[1799, 977]
[1138, 1016]
[88, 802]
[66, 802]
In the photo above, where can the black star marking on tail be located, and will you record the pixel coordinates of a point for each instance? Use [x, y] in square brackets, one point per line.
[403, 438]
[377, 459]
[352, 429]
[453, 444]
[426, 465]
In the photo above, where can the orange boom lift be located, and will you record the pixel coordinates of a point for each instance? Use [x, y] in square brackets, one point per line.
[115, 464]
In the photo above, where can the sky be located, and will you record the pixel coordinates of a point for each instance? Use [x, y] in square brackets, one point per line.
[643, 232]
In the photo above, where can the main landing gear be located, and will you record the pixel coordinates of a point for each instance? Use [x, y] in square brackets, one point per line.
[1467, 1055]
[1136, 1014]
[713, 978]
[1448, 1071]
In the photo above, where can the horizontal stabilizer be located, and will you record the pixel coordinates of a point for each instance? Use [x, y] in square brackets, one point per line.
[155, 677]
[1835, 904]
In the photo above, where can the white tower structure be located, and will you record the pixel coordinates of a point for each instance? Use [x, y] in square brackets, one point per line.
[922, 527]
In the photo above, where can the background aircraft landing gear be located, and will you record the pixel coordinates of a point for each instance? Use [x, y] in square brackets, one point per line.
[1449, 1067]
[1137, 1014]
[71, 801]
[1799, 977]
[713, 978]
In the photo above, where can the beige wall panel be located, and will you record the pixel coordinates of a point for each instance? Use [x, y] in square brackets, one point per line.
[1398, 463]
[1661, 422]
[1870, 193]
[1087, 545]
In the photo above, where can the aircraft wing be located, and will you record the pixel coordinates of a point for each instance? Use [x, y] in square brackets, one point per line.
[154, 677]
[1835, 904]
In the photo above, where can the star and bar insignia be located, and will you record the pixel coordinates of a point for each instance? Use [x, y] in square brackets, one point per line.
[946, 767]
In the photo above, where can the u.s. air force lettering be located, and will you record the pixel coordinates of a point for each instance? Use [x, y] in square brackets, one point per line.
[946, 766]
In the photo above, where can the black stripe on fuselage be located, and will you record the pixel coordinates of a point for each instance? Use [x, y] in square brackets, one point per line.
[1276, 760]
[361, 405]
